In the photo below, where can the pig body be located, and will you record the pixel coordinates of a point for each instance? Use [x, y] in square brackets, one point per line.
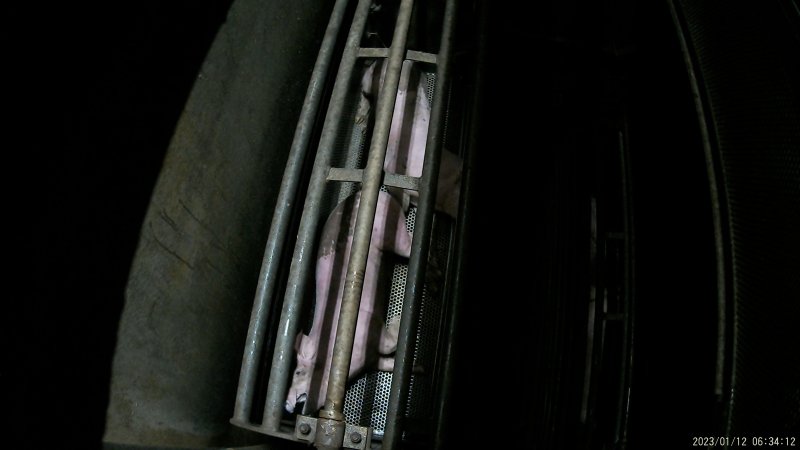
[373, 338]
[405, 152]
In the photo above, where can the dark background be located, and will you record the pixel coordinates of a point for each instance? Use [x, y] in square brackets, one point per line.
[96, 89]
[100, 88]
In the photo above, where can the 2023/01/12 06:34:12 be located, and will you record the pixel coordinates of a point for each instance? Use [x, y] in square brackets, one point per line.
[777, 441]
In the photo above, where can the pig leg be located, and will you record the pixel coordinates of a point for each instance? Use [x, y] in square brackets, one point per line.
[388, 340]
[386, 363]
[364, 108]
[367, 92]
[389, 235]
[388, 344]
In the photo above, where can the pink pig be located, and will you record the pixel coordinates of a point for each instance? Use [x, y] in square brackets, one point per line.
[408, 134]
[404, 155]
[373, 339]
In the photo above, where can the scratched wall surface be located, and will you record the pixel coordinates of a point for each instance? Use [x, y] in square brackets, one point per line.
[190, 290]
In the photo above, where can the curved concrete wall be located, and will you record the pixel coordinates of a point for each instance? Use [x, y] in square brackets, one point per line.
[191, 285]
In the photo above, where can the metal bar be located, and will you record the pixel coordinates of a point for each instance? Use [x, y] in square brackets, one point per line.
[281, 218]
[289, 435]
[303, 257]
[414, 55]
[719, 212]
[628, 308]
[462, 235]
[354, 280]
[419, 249]
[341, 174]
[389, 179]
[401, 181]
[370, 52]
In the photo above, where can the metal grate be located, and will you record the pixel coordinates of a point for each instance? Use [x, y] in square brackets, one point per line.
[367, 399]
[342, 146]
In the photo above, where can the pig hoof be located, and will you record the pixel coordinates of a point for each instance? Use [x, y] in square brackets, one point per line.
[293, 400]
[388, 341]
[386, 363]
[362, 114]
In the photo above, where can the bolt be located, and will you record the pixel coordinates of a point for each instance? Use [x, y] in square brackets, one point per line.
[355, 437]
[304, 428]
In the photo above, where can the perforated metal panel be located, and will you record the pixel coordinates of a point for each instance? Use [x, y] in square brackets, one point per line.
[367, 398]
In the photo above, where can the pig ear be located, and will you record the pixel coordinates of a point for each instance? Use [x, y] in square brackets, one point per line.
[306, 349]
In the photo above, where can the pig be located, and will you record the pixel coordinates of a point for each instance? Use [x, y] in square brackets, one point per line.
[404, 155]
[374, 341]
[408, 134]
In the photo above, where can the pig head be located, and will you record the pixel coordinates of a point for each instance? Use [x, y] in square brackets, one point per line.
[373, 338]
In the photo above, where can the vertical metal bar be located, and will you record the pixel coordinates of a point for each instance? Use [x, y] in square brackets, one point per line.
[281, 217]
[628, 306]
[303, 257]
[373, 175]
[419, 249]
[718, 199]
[462, 236]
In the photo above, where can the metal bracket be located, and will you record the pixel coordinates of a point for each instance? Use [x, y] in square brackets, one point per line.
[355, 437]
[413, 55]
[430, 58]
[389, 179]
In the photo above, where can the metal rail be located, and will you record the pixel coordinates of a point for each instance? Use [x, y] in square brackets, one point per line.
[371, 184]
[303, 257]
[281, 218]
[328, 431]
[422, 230]
[462, 235]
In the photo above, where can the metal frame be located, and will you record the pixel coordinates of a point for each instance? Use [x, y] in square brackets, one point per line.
[330, 429]
[421, 243]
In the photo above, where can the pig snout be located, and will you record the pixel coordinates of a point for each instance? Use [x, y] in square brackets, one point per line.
[306, 350]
